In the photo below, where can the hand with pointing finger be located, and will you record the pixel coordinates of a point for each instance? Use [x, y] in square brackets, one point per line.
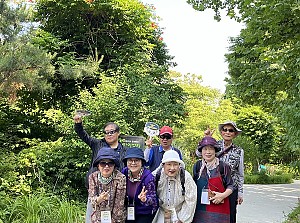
[143, 195]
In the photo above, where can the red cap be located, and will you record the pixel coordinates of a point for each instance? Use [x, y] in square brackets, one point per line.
[166, 130]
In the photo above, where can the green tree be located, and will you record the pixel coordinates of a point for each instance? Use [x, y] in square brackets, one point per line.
[263, 59]
[23, 66]
[111, 61]
[261, 129]
[204, 107]
[124, 38]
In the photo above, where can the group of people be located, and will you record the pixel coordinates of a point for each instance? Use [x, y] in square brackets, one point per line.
[132, 185]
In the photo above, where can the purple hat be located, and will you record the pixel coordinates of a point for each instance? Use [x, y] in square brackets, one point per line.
[208, 140]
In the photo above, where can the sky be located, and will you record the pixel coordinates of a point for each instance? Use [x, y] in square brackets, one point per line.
[196, 40]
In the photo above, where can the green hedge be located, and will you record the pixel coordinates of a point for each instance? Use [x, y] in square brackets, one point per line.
[263, 178]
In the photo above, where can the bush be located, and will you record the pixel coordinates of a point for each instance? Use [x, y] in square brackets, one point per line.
[40, 208]
[264, 178]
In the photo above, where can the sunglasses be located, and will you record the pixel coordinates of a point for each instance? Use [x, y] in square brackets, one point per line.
[228, 130]
[111, 132]
[165, 136]
[104, 164]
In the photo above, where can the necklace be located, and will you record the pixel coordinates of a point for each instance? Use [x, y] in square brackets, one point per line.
[134, 179]
[105, 180]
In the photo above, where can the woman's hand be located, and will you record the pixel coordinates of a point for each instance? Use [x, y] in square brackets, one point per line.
[218, 198]
[102, 197]
[240, 200]
[209, 132]
[143, 195]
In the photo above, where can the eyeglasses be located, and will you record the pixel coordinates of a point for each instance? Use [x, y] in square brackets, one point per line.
[133, 161]
[165, 136]
[228, 130]
[104, 164]
[111, 132]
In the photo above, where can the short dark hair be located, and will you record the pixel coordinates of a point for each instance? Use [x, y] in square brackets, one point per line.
[117, 128]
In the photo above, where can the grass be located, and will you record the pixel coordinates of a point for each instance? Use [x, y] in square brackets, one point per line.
[294, 216]
[39, 208]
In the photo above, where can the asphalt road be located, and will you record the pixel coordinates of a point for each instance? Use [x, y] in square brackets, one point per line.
[268, 203]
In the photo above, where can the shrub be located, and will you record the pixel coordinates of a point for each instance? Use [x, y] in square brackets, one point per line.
[264, 178]
[40, 208]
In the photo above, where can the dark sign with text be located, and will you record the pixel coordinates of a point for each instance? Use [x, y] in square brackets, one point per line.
[133, 141]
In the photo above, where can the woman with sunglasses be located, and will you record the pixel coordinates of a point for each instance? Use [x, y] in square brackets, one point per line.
[141, 200]
[107, 188]
[234, 157]
[214, 185]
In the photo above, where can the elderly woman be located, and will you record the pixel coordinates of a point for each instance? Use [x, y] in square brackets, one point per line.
[107, 188]
[141, 197]
[214, 184]
[176, 190]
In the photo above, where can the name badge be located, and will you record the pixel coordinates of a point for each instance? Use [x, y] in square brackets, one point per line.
[105, 217]
[204, 197]
[130, 213]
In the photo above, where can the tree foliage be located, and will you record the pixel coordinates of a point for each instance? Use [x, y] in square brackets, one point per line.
[264, 63]
[23, 65]
[264, 58]
[261, 129]
[205, 107]
[104, 56]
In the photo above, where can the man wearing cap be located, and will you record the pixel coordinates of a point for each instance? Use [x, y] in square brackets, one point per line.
[234, 156]
[154, 154]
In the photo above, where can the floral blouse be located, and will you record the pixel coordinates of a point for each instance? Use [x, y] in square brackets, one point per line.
[235, 159]
[117, 193]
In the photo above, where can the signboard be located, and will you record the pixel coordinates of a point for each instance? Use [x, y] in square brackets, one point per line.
[133, 141]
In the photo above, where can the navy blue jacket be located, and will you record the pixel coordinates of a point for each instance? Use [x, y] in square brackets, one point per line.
[156, 155]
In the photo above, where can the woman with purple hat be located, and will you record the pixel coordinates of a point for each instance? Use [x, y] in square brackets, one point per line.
[214, 184]
[107, 188]
[141, 199]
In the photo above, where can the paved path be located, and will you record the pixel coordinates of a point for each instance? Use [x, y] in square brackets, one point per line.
[268, 203]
